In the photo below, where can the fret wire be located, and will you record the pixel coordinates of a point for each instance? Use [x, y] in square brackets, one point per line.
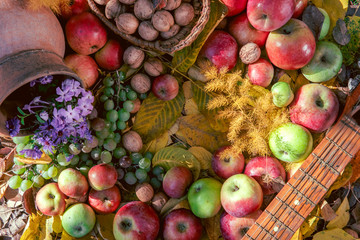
[247, 235]
[339, 147]
[277, 220]
[350, 126]
[314, 179]
[266, 231]
[326, 164]
[292, 209]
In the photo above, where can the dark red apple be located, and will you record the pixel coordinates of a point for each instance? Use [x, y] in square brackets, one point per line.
[233, 228]
[292, 46]
[76, 7]
[110, 57]
[182, 224]
[264, 170]
[165, 87]
[261, 72]
[221, 49]
[225, 162]
[299, 7]
[176, 181]
[102, 176]
[105, 201]
[241, 29]
[84, 66]
[85, 33]
[269, 15]
[235, 6]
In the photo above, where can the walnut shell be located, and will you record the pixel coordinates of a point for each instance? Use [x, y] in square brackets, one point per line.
[250, 53]
[132, 141]
[147, 31]
[172, 4]
[154, 67]
[127, 23]
[143, 9]
[113, 9]
[171, 33]
[101, 2]
[141, 83]
[134, 56]
[184, 14]
[127, 2]
[159, 200]
[162, 20]
[144, 192]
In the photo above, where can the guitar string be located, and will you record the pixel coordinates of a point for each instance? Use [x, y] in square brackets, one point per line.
[332, 162]
[292, 190]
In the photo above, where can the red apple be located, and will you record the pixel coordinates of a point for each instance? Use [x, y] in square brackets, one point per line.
[292, 46]
[264, 170]
[105, 201]
[225, 162]
[85, 33]
[176, 181]
[50, 200]
[72, 183]
[234, 6]
[299, 8]
[137, 221]
[165, 87]
[84, 66]
[233, 228]
[261, 72]
[182, 224]
[76, 7]
[315, 107]
[102, 176]
[269, 15]
[241, 29]
[221, 49]
[110, 56]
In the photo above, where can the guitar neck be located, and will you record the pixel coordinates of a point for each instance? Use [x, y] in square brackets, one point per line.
[285, 214]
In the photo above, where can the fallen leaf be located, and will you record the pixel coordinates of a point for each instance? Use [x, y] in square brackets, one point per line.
[191, 107]
[350, 50]
[356, 168]
[36, 229]
[309, 225]
[187, 90]
[29, 201]
[343, 216]
[341, 180]
[314, 19]
[340, 33]
[57, 225]
[66, 236]
[170, 204]
[356, 212]
[297, 235]
[104, 225]
[3, 187]
[45, 159]
[336, 234]
[327, 213]
[157, 143]
[300, 81]
[49, 229]
[212, 226]
[203, 156]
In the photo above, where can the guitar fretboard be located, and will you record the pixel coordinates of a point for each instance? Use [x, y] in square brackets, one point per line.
[285, 214]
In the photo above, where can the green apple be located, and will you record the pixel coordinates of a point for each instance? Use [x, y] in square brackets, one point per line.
[325, 64]
[282, 94]
[78, 220]
[326, 24]
[204, 197]
[291, 142]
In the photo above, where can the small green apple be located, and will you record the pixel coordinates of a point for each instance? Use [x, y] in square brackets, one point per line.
[204, 197]
[325, 64]
[78, 220]
[282, 94]
[326, 24]
[291, 142]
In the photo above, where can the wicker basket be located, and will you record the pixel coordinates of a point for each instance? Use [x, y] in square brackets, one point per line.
[184, 38]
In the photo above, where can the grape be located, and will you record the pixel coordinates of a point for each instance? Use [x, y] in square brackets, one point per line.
[106, 156]
[20, 147]
[141, 174]
[101, 142]
[111, 135]
[89, 163]
[84, 156]
[93, 143]
[148, 155]
[135, 157]
[148, 169]
[61, 159]
[123, 115]
[75, 160]
[19, 171]
[15, 182]
[117, 137]
[121, 125]
[157, 170]
[18, 140]
[125, 162]
[155, 183]
[107, 124]
[40, 168]
[109, 144]
[143, 96]
[30, 175]
[95, 154]
[109, 91]
[160, 177]
[120, 76]
[113, 126]
[45, 175]
[131, 95]
[74, 149]
[128, 106]
[86, 149]
[52, 171]
[147, 179]
[103, 98]
[112, 115]
[122, 96]
[144, 163]
[17, 162]
[108, 81]
[25, 185]
[120, 173]
[109, 105]
[103, 133]
[84, 170]
[130, 178]
[38, 181]
[119, 152]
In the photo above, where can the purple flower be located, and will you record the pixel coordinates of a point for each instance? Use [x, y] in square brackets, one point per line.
[83, 130]
[85, 105]
[32, 83]
[46, 143]
[44, 116]
[69, 157]
[34, 153]
[46, 80]
[13, 126]
[64, 95]
[71, 114]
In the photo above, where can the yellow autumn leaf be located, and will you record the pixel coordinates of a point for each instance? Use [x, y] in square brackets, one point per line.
[187, 90]
[309, 225]
[333, 234]
[341, 180]
[203, 156]
[297, 235]
[293, 74]
[57, 226]
[285, 78]
[45, 159]
[66, 236]
[335, 8]
[36, 229]
[300, 81]
[343, 216]
[49, 229]
[191, 107]
[157, 143]
[104, 225]
[196, 131]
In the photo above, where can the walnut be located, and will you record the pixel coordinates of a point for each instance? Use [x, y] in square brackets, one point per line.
[113, 9]
[127, 23]
[162, 21]
[171, 33]
[101, 2]
[184, 14]
[154, 67]
[127, 2]
[141, 83]
[132, 141]
[134, 56]
[250, 53]
[143, 9]
[147, 31]
[159, 200]
[144, 192]
[172, 4]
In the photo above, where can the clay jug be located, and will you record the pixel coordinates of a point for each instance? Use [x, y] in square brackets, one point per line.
[32, 45]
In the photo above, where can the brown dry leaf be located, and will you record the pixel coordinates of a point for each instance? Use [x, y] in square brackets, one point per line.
[157, 143]
[327, 213]
[196, 131]
[3, 186]
[286, 78]
[300, 81]
[343, 216]
[203, 156]
[191, 107]
[170, 204]
[212, 226]
[29, 201]
[187, 90]
[45, 159]
[341, 180]
[183, 204]
[36, 229]
[6, 159]
[293, 74]
[309, 225]
[356, 168]
[297, 235]
[333, 234]
[104, 225]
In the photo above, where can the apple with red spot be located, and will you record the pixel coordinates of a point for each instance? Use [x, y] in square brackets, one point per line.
[300, 6]
[225, 162]
[105, 201]
[165, 87]
[261, 72]
[110, 57]
[102, 176]
[76, 7]
[235, 6]
[72, 183]
[176, 181]
[50, 200]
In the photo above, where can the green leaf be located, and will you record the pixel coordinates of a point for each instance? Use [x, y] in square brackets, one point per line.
[39, 119]
[157, 116]
[186, 57]
[350, 50]
[175, 156]
[21, 111]
[22, 121]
